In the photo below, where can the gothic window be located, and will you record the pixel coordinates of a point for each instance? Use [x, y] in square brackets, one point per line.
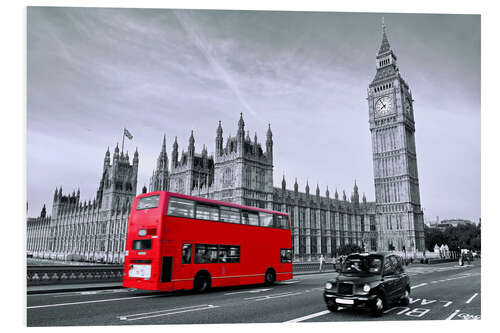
[180, 186]
[227, 177]
[247, 177]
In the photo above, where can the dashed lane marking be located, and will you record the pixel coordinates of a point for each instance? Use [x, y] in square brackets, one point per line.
[248, 291]
[289, 282]
[450, 317]
[266, 297]
[470, 299]
[313, 315]
[419, 285]
[88, 302]
[167, 312]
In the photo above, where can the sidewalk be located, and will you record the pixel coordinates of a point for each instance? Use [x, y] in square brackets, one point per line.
[59, 288]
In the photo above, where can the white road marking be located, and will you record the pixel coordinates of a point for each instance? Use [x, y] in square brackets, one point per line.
[248, 291]
[87, 302]
[95, 292]
[289, 282]
[419, 285]
[470, 299]
[452, 315]
[314, 315]
[167, 312]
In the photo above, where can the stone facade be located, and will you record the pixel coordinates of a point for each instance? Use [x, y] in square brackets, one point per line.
[92, 230]
[241, 171]
[392, 125]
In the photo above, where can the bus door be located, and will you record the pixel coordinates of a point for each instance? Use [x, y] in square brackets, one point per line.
[184, 262]
[167, 261]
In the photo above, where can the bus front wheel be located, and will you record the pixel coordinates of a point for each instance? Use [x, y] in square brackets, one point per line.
[201, 283]
[270, 276]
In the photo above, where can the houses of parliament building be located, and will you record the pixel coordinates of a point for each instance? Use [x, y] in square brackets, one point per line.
[241, 171]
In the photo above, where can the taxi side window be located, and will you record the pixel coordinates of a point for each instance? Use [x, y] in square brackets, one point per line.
[389, 266]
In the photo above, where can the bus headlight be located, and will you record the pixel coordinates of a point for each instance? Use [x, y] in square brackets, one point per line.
[142, 232]
[366, 288]
[328, 285]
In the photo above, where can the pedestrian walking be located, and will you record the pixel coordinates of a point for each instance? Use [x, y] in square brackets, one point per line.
[321, 260]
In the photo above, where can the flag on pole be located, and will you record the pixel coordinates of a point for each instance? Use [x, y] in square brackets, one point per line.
[127, 134]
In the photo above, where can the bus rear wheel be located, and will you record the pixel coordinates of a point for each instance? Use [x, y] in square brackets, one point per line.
[201, 283]
[270, 276]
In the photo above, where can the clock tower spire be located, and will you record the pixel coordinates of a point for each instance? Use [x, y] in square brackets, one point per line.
[392, 126]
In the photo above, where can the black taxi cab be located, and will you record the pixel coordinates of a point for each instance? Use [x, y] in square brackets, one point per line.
[370, 281]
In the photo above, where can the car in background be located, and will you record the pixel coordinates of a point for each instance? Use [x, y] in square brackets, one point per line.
[370, 281]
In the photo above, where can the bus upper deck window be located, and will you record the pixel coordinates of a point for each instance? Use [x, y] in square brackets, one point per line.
[148, 202]
[251, 218]
[230, 214]
[207, 212]
[266, 219]
[180, 207]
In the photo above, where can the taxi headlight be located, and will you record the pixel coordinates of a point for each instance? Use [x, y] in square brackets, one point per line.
[328, 285]
[366, 288]
[142, 232]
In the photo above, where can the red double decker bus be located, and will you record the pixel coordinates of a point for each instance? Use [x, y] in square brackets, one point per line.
[176, 241]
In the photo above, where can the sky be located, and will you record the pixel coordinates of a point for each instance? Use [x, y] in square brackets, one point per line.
[91, 72]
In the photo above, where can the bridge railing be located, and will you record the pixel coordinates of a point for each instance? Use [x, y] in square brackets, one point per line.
[75, 274]
[46, 275]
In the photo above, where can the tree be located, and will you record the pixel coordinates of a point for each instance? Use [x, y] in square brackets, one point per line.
[466, 236]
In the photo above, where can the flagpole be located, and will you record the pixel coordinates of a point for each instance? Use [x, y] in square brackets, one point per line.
[123, 138]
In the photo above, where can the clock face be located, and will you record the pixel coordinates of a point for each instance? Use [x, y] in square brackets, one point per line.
[384, 105]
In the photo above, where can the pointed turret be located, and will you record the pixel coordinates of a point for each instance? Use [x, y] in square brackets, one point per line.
[219, 140]
[327, 192]
[116, 154]
[43, 213]
[296, 186]
[135, 161]
[344, 197]
[386, 59]
[107, 160]
[384, 46]
[283, 183]
[175, 153]
[307, 187]
[241, 128]
[364, 198]
[336, 194]
[191, 145]
[355, 195]
[269, 142]
[317, 189]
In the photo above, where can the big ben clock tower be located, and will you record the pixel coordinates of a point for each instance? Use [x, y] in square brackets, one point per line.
[400, 219]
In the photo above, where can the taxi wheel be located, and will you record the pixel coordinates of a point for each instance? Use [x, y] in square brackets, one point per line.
[378, 306]
[406, 298]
